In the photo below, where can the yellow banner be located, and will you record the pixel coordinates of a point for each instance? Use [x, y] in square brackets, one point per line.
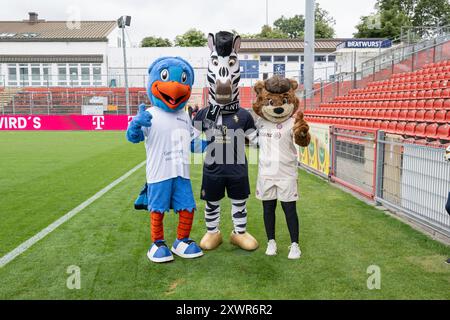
[317, 154]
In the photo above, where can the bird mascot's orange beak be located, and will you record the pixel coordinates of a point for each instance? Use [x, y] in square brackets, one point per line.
[172, 93]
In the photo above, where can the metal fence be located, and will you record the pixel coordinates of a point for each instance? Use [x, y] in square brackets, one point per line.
[405, 58]
[353, 159]
[415, 180]
[400, 174]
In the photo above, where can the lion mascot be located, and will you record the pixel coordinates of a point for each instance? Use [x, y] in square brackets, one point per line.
[278, 132]
[167, 131]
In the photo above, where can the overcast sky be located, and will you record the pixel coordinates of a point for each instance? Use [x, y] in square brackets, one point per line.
[168, 18]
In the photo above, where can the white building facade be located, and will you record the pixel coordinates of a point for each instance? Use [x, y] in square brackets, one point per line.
[39, 53]
[36, 52]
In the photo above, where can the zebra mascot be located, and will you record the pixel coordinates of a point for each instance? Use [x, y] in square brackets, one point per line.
[226, 126]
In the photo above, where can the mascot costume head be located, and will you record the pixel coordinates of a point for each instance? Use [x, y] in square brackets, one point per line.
[166, 129]
[170, 83]
[277, 102]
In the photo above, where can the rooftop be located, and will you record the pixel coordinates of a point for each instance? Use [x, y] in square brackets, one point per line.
[34, 29]
[288, 45]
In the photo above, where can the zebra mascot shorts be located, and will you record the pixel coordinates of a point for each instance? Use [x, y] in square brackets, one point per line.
[167, 130]
[278, 132]
[226, 127]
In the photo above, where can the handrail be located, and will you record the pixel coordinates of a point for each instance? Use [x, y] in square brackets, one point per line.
[352, 76]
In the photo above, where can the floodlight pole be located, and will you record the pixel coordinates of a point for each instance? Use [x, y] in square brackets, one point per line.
[122, 25]
[309, 47]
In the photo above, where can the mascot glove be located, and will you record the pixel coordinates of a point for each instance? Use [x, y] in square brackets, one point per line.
[143, 118]
[301, 131]
[198, 145]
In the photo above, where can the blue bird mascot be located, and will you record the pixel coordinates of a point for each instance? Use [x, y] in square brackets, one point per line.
[168, 134]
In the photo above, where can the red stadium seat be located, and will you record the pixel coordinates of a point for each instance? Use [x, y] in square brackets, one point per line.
[446, 104]
[420, 104]
[384, 125]
[429, 115]
[443, 132]
[377, 124]
[395, 114]
[410, 128]
[420, 115]
[438, 104]
[392, 126]
[411, 116]
[439, 116]
[400, 129]
[429, 104]
[403, 114]
[431, 130]
[420, 130]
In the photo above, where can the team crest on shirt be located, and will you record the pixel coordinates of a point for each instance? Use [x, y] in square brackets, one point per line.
[224, 130]
[236, 118]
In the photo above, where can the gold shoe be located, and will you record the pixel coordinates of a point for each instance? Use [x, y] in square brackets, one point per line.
[211, 240]
[244, 241]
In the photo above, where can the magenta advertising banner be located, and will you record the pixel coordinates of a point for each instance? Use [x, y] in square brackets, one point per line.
[63, 122]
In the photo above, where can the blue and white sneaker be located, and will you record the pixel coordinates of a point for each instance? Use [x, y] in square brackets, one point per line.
[186, 248]
[159, 252]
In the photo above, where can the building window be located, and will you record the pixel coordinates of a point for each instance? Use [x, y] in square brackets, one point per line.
[320, 58]
[293, 58]
[331, 58]
[46, 75]
[24, 75]
[279, 58]
[85, 75]
[12, 75]
[302, 58]
[265, 58]
[73, 74]
[35, 75]
[97, 74]
[265, 75]
[62, 75]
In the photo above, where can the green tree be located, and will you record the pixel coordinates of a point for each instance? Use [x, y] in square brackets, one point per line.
[267, 32]
[391, 16]
[432, 13]
[294, 27]
[387, 24]
[151, 41]
[324, 26]
[191, 38]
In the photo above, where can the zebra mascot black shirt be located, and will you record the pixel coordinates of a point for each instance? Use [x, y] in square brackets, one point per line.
[226, 125]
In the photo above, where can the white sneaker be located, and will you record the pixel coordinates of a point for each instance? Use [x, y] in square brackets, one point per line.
[294, 252]
[271, 248]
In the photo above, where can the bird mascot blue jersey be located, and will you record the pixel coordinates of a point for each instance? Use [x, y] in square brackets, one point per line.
[167, 131]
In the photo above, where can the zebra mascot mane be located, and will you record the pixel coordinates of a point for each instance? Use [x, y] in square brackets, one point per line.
[223, 75]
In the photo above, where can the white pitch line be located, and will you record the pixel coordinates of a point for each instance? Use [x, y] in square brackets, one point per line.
[7, 258]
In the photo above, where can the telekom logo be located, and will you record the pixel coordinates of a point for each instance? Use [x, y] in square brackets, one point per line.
[98, 122]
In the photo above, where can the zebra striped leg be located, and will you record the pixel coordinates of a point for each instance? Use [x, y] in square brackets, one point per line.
[212, 216]
[239, 215]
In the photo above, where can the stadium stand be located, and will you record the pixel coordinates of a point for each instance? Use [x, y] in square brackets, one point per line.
[414, 104]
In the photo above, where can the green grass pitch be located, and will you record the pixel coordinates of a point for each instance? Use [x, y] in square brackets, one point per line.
[44, 175]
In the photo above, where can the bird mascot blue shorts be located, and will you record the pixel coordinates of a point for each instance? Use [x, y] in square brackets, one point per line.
[167, 131]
